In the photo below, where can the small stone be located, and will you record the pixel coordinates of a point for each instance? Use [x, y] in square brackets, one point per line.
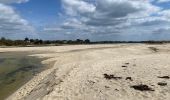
[107, 87]
[134, 64]
[116, 89]
[127, 63]
[129, 78]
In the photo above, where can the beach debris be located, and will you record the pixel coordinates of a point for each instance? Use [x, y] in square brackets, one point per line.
[124, 66]
[129, 78]
[153, 49]
[162, 83]
[91, 82]
[111, 77]
[127, 63]
[116, 90]
[142, 87]
[107, 87]
[134, 64]
[165, 77]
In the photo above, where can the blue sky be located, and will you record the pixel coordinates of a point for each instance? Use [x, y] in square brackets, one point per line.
[93, 19]
[40, 12]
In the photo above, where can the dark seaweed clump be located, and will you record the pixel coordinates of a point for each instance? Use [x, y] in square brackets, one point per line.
[142, 87]
[162, 83]
[124, 66]
[153, 49]
[165, 77]
[106, 76]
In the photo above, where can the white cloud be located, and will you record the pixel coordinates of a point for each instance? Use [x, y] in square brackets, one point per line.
[165, 13]
[107, 19]
[12, 25]
[109, 12]
[11, 22]
[113, 12]
[13, 1]
[164, 30]
[74, 7]
[163, 1]
[52, 29]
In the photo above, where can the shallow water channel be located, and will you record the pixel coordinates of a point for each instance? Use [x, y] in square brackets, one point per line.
[17, 68]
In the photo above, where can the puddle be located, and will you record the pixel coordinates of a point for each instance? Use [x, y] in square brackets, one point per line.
[15, 70]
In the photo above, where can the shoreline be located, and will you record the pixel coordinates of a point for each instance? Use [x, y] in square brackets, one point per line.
[18, 68]
[26, 89]
[98, 72]
[30, 85]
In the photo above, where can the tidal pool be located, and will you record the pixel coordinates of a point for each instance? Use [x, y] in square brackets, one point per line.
[16, 69]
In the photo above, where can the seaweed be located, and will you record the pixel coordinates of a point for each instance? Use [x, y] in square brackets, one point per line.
[111, 77]
[142, 87]
[165, 77]
[162, 83]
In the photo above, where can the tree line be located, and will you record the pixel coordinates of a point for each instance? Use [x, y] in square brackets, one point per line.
[34, 42]
[40, 42]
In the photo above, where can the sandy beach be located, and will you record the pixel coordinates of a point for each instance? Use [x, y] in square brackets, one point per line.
[99, 72]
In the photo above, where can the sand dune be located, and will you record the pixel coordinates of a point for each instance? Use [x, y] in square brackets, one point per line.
[100, 72]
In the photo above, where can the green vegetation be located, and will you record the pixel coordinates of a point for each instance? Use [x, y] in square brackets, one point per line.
[39, 42]
[35, 42]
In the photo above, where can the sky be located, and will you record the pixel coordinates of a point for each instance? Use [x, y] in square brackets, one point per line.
[97, 20]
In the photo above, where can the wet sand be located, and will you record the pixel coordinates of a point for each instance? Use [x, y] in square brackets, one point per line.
[16, 69]
[100, 72]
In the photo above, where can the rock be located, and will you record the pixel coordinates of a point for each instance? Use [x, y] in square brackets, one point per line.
[127, 63]
[129, 78]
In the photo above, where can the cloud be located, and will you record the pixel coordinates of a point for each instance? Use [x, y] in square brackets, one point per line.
[164, 30]
[109, 12]
[112, 19]
[13, 1]
[165, 13]
[163, 1]
[12, 23]
[74, 7]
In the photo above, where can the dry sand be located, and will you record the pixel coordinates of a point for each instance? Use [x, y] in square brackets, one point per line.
[99, 72]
